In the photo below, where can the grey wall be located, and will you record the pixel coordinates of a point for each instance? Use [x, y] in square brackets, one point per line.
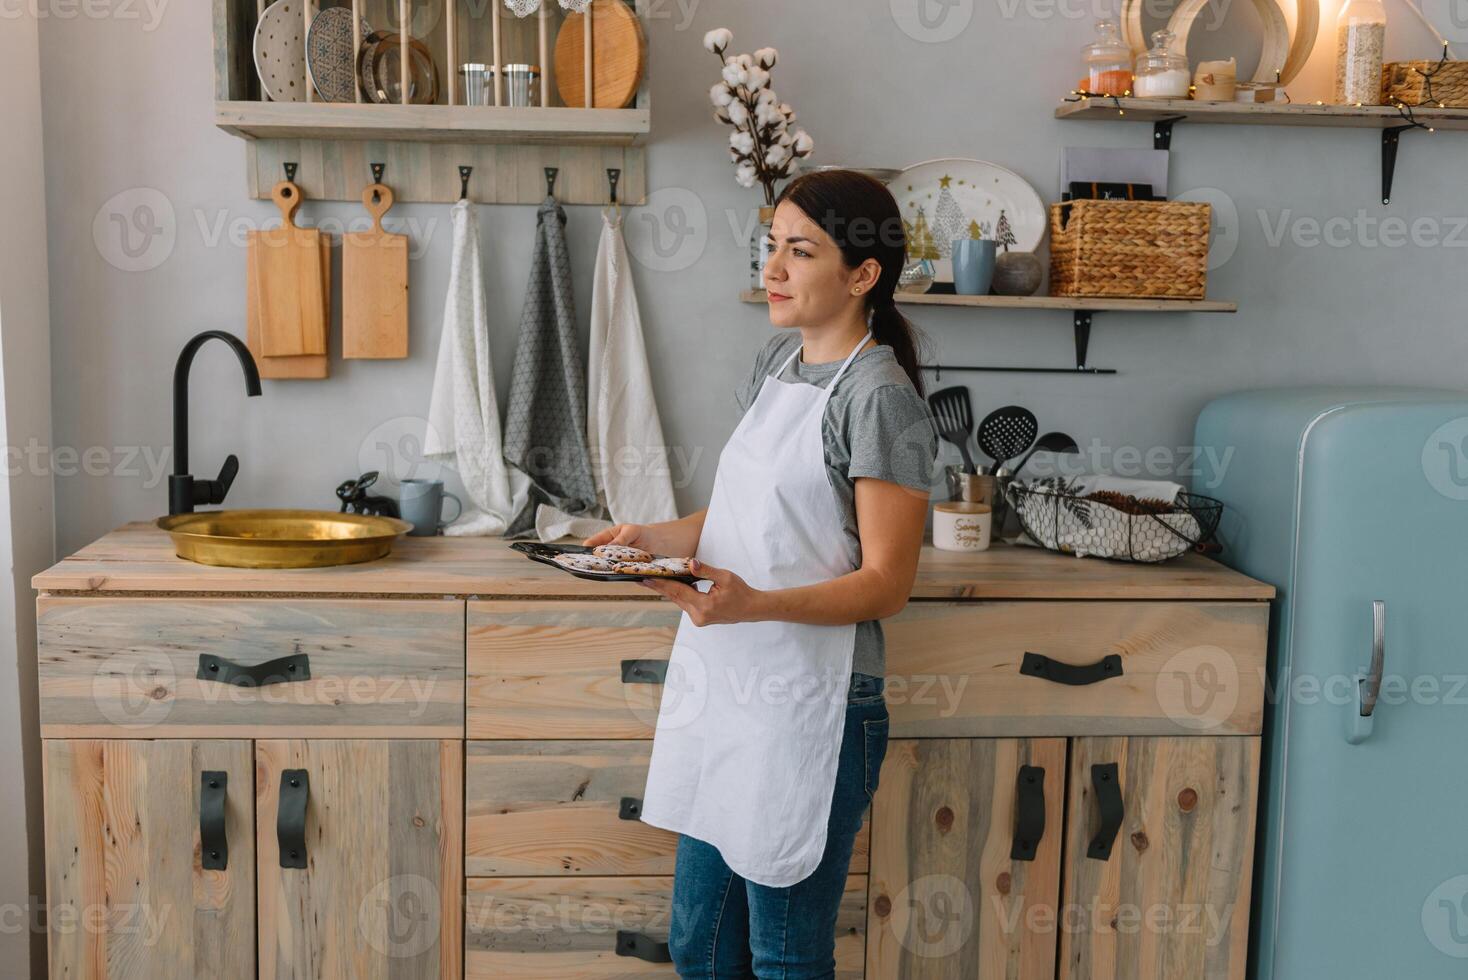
[127, 112]
[26, 540]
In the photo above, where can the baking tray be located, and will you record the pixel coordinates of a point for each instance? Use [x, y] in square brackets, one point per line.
[545, 554]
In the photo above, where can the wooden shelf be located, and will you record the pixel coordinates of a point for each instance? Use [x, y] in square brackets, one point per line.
[1075, 304]
[1081, 309]
[1259, 114]
[434, 123]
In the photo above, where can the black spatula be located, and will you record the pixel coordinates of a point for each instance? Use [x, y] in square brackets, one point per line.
[955, 419]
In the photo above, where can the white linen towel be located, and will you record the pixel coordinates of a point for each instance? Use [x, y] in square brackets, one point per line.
[463, 415]
[628, 455]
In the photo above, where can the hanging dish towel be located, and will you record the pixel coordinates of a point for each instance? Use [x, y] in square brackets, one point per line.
[463, 416]
[629, 458]
[545, 431]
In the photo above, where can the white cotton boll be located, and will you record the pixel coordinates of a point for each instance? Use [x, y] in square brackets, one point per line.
[766, 115]
[776, 155]
[767, 96]
[767, 57]
[738, 113]
[803, 143]
[720, 95]
[734, 76]
[718, 39]
[741, 141]
[758, 77]
[746, 175]
[745, 61]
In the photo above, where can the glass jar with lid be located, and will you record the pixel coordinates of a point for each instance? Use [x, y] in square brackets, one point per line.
[1162, 71]
[1360, 36]
[1108, 61]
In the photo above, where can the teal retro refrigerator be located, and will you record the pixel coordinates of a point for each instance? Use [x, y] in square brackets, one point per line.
[1353, 503]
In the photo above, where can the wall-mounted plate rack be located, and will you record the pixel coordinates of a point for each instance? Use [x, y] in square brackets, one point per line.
[1082, 310]
[423, 145]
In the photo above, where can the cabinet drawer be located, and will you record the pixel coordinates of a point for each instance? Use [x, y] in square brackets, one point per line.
[568, 808]
[182, 668]
[959, 669]
[568, 928]
[550, 669]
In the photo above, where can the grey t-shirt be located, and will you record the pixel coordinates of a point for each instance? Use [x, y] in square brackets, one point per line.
[875, 425]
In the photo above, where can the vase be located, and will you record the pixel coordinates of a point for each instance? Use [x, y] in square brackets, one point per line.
[759, 248]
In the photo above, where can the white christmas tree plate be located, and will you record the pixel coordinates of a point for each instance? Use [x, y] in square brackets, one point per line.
[942, 200]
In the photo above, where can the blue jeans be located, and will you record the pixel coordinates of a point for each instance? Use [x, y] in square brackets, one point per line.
[724, 927]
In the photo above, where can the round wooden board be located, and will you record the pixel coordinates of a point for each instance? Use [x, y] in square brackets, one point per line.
[1307, 25]
[1276, 34]
[619, 56]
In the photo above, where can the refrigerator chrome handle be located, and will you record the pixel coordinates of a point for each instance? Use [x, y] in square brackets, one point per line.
[1371, 685]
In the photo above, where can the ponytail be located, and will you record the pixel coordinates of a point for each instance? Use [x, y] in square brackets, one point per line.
[896, 331]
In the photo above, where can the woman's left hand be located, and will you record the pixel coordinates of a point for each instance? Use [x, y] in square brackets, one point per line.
[729, 600]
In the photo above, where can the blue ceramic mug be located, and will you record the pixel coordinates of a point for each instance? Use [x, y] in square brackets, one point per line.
[973, 266]
[420, 502]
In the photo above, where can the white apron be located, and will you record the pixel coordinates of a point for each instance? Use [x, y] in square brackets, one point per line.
[750, 724]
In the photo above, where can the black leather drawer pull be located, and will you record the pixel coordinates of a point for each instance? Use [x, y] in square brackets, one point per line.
[644, 671]
[213, 842]
[1107, 782]
[283, 670]
[290, 818]
[1039, 665]
[1029, 813]
[642, 947]
[631, 809]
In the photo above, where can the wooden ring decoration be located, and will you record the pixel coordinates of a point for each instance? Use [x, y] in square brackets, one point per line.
[1131, 26]
[1307, 25]
[1276, 35]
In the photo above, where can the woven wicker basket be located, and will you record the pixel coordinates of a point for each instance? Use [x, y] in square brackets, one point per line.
[1129, 248]
[1406, 81]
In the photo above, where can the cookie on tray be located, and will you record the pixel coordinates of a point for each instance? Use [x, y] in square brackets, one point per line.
[641, 568]
[586, 563]
[621, 552]
[676, 566]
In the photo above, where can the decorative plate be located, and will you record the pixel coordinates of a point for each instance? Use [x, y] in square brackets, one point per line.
[280, 51]
[942, 200]
[331, 56]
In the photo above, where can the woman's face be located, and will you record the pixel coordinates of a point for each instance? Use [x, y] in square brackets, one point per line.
[807, 278]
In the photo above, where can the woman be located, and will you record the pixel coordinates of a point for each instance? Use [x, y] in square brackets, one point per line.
[773, 721]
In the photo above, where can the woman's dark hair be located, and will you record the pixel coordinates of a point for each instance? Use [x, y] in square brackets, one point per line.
[862, 217]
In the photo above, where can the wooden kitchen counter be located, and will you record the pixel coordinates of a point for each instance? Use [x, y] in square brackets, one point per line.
[139, 558]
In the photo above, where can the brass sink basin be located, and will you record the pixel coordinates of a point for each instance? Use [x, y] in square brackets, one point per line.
[281, 538]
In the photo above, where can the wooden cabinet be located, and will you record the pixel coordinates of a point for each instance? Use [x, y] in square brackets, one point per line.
[997, 858]
[166, 859]
[450, 786]
[361, 864]
[128, 892]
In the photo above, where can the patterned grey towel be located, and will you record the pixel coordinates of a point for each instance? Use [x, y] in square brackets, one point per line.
[545, 422]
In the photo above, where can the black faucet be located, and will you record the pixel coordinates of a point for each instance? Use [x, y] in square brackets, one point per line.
[183, 490]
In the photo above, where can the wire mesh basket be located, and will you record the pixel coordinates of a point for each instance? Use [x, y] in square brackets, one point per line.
[1055, 516]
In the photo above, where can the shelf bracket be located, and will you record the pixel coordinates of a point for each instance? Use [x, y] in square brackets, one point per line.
[1390, 136]
[1083, 337]
[1162, 132]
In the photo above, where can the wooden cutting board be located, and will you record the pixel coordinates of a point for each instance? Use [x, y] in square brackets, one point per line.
[299, 366]
[290, 284]
[618, 56]
[375, 285]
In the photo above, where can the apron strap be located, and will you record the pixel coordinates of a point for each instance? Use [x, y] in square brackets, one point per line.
[841, 370]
